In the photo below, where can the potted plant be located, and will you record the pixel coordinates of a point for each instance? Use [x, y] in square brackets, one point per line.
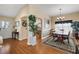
[75, 26]
[32, 30]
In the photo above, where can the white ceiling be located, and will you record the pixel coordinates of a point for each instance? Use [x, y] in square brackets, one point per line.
[10, 9]
[50, 9]
[53, 9]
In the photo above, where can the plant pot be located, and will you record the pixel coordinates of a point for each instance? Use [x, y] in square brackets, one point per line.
[31, 39]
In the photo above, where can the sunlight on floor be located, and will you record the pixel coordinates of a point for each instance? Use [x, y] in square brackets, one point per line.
[4, 49]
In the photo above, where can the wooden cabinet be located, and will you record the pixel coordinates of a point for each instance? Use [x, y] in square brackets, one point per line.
[15, 35]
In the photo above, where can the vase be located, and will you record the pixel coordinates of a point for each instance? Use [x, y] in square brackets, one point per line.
[31, 39]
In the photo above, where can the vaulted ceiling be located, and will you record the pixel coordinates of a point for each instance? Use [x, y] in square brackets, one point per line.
[10, 9]
[50, 9]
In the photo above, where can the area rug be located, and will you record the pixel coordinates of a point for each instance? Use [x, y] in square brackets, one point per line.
[67, 47]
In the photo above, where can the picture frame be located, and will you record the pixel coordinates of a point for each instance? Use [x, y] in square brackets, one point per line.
[24, 21]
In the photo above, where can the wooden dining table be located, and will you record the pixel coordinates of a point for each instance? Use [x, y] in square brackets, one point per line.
[60, 37]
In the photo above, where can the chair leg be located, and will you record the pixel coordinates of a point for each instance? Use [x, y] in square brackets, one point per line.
[68, 40]
[77, 51]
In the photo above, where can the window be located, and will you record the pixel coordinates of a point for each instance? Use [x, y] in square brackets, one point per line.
[4, 24]
[63, 28]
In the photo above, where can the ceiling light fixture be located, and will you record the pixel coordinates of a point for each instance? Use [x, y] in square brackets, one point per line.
[60, 16]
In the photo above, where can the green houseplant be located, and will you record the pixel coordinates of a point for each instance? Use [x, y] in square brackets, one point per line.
[75, 26]
[32, 29]
[32, 24]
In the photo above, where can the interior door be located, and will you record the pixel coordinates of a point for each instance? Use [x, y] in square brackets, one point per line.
[39, 25]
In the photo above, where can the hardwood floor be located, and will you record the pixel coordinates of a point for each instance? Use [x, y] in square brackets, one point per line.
[21, 47]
